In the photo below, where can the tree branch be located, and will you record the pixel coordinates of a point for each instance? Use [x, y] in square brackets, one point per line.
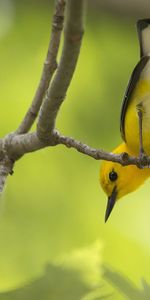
[57, 91]
[49, 68]
[18, 145]
[15, 145]
[123, 158]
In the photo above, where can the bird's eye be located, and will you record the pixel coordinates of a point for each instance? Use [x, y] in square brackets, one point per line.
[113, 176]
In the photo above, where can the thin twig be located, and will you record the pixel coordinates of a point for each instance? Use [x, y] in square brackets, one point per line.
[57, 91]
[18, 145]
[123, 158]
[49, 68]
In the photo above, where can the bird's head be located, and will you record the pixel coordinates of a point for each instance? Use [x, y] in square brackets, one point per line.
[117, 181]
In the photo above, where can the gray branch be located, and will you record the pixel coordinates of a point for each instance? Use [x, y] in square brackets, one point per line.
[18, 145]
[57, 91]
[124, 158]
[49, 68]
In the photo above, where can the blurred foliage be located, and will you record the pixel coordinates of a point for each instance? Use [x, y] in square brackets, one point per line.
[65, 279]
[126, 287]
[57, 283]
[53, 205]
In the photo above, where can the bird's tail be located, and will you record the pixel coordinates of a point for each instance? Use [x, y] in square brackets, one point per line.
[143, 28]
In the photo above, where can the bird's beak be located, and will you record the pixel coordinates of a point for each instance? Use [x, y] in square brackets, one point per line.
[110, 204]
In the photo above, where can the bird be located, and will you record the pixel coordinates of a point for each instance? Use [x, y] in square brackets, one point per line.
[117, 180]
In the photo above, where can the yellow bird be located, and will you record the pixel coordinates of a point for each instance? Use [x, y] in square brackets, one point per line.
[115, 179]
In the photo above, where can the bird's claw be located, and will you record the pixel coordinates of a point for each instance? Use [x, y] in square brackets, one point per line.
[143, 160]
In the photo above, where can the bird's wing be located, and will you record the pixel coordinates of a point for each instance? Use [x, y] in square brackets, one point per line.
[130, 89]
[143, 29]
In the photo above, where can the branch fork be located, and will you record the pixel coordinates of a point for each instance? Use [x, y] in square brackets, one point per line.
[50, 94]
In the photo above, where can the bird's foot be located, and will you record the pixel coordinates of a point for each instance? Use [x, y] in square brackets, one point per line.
[143, 160]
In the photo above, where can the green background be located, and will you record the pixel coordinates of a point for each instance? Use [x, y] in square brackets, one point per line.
[53, 241]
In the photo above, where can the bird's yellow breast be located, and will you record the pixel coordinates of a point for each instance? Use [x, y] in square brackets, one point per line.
[141, 96]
